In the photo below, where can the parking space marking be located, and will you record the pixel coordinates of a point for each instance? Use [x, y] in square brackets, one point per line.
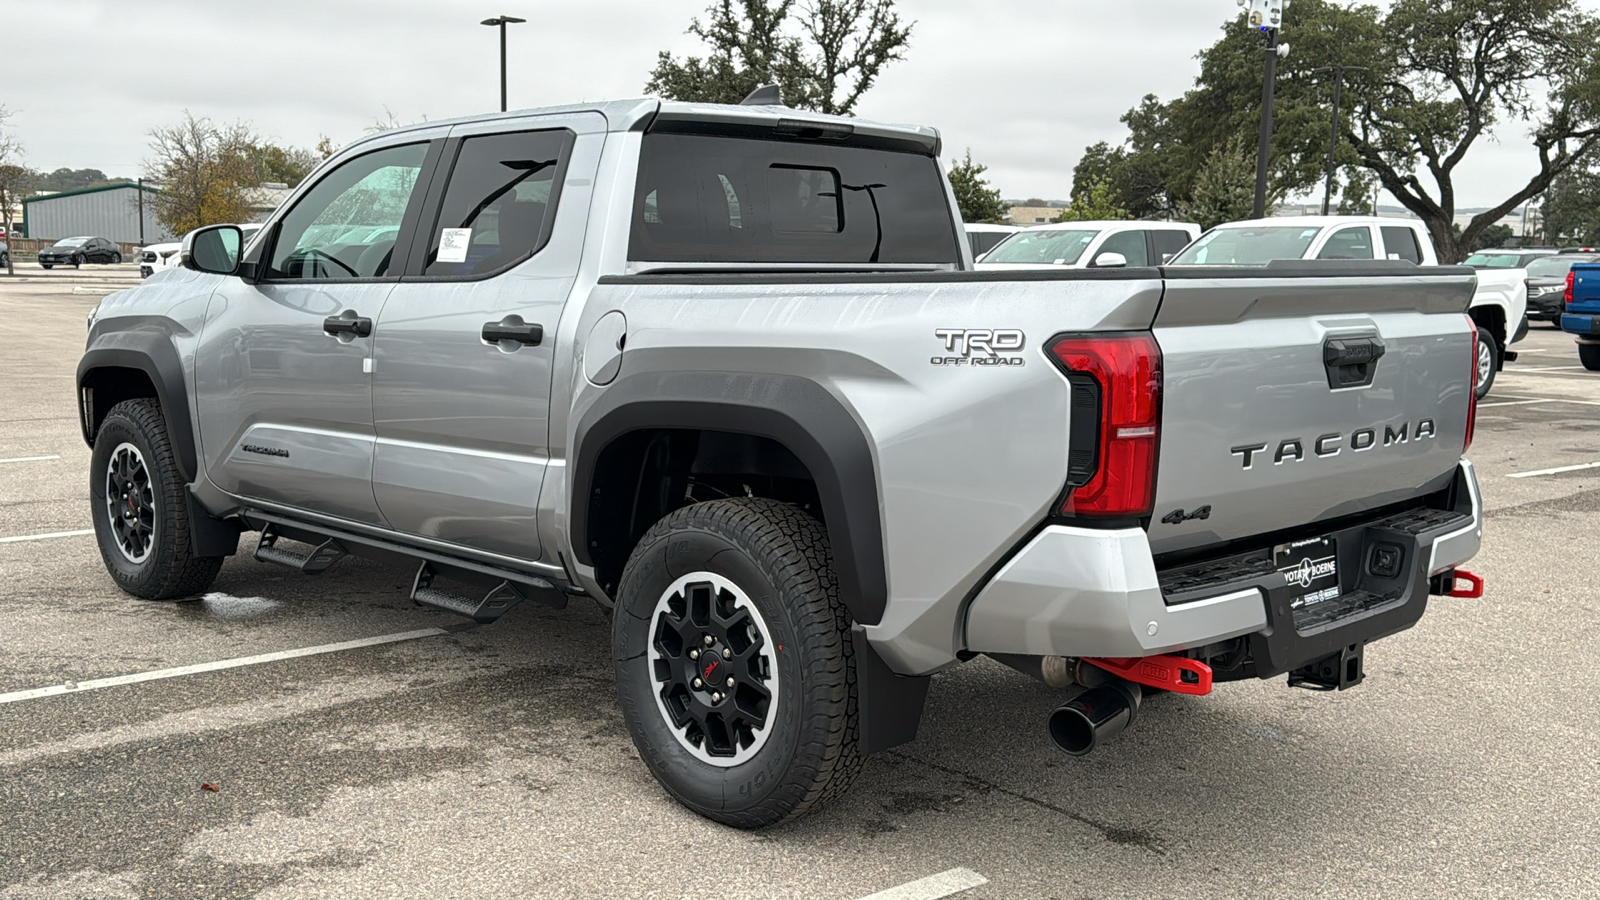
[1547, 368]
[28, 459]
[1511, 403]
[1556, 470]
[17, 539]
[944, 884]
[198, 668]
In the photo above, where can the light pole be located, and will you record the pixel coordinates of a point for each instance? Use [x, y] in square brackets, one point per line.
[503, 21]
[1266, 16]
[1333, 132]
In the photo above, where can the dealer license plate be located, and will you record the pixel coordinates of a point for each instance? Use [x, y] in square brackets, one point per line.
[1312, 570]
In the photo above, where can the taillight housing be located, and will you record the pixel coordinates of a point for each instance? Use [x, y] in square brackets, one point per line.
[1120, 375]
[1566, 296]
[1472, 392]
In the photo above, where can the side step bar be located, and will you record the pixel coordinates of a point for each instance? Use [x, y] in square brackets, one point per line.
[319, 560]
[491, 606]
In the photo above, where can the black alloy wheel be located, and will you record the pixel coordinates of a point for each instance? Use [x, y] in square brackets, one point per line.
[140, 503]
[734, 664]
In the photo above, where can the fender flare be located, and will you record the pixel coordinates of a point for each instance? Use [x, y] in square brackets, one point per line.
[796, 412]
[153, 354]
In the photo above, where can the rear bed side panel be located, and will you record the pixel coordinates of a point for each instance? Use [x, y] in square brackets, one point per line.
[1245, 380]
[968, 459]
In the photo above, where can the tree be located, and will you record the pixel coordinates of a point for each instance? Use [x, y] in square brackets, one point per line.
[1093, 201]
[16, 180]
[65, 179]
[205, 171]
[823, 54]
[977, 201]
[1450, 70]
[1571, 210]
[1225, 189]
[285, 165]
[1495, 235]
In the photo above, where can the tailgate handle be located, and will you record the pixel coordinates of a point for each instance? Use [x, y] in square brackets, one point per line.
[1351, 361]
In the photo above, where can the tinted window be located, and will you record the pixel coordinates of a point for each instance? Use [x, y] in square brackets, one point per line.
[346, 225]
[1554, 266]
[500, 202]
[1348, 243]
[1046, 247]
[984, 241]
[703, 198]
[1130, 244]
[1168, 243]
[1401, 243]
[1493, 260]
[1253, 245]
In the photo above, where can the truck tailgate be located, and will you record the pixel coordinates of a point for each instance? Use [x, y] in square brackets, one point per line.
[1306, 391]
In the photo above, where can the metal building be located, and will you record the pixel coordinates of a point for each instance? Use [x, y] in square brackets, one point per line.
[110, 212]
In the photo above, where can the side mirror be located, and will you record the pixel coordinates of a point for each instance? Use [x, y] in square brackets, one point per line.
[1110, 260]
[214, 249]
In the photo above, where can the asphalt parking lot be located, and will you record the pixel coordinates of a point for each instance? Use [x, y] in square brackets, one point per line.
[491, 762]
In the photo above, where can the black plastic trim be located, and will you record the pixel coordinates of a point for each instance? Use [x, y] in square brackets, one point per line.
[153, 354]
[797, 413]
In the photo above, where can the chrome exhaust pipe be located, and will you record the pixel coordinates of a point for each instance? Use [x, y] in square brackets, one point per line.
[1098, 714]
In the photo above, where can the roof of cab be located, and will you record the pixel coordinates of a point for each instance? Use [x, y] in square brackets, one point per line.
[1321, 221]
[1103, 224]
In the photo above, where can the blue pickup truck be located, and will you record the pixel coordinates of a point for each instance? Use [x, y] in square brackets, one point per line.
[1582, 315]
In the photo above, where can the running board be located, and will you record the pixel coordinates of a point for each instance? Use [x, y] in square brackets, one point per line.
[490, 606]
[319, 560]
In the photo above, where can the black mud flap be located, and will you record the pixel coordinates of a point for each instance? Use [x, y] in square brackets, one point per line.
[890, 705]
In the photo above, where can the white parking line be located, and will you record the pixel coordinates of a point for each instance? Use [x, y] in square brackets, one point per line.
[1512, 403]
[1547, 368]
[44, 537]
[28, 459]
[1593, 465]
[237, 662]
[953, 881]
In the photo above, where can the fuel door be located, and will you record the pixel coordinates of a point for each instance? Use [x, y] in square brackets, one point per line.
[602, 352]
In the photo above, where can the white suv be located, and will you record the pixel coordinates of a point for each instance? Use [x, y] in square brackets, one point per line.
[155, 257]
[1088, 245]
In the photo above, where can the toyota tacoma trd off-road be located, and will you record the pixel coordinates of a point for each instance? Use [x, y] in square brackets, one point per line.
[728, 371]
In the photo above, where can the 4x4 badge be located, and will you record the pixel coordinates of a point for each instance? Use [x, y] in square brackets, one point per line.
[1178, 516]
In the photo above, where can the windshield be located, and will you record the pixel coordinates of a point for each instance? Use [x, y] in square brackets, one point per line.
[1051, 247]
[72, 242]
[1493, 260]
[1250, 246]
[1554, 266]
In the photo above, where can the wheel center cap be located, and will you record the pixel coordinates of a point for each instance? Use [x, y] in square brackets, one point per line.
[710, 666]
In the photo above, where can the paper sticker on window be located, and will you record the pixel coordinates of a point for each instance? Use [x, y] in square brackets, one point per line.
[453, 244]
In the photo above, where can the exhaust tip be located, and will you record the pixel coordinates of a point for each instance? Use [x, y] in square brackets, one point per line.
[1080, 724]
[1071, 731]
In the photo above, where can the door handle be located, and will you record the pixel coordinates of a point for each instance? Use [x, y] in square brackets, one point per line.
[531, 335]
[356, 325]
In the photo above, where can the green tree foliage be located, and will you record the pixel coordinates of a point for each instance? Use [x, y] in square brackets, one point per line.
[208, 172]
[284, 165]
[1495, 235]
[64, 179]
[1439, 74]
[977, 201]
[1224, 190]
[1091, 201]
[823, 54]
[1572, 207]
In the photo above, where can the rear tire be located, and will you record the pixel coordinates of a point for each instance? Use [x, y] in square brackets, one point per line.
[116, 259]
[1488, 361]
[140, 506]
[1589, 355]
[756, 576]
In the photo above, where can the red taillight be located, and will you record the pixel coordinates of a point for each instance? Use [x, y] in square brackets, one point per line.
[1566, 296]
[1472, 393]
[1127, 370]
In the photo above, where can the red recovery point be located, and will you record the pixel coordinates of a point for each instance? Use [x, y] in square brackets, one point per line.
[1473, 589]
[1170, 673]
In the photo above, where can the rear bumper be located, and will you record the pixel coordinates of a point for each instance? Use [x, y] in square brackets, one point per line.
[1577, 323]
[1090, 592]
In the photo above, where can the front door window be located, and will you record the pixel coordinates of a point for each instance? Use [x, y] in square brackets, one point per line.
[346, 226]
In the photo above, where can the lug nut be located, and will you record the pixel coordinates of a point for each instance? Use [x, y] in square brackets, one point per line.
[698, 683]
[716, 698]
[730, 681]
[694, 654]
[727, 653]
[709, 640]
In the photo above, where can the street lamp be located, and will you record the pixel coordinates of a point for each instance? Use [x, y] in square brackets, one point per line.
[1333, 134]
[1266, 16]
[503, 21]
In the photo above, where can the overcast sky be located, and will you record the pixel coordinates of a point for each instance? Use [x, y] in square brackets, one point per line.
[1027, 84]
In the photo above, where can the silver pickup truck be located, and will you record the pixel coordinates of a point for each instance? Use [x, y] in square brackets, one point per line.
[728, 371]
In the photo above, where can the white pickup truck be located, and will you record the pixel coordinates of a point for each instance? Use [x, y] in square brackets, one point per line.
[1499, 304]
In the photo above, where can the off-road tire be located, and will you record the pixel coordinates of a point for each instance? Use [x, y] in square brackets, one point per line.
[780, 558]
[1589, 355]
[1486, 345]
[171, 570]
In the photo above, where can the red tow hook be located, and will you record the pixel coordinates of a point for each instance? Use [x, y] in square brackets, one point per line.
[1170, 673]
[1472, 591]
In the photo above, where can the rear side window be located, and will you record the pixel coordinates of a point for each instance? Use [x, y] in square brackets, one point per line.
[1348, 243]
[705, 198]
[1401, 243]
[1130, 244]
[500, 202]
[1167, 243]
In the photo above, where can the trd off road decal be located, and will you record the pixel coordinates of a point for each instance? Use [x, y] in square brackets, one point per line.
[979, 347]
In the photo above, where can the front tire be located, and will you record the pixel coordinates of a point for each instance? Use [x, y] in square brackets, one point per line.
[1589, 355]
[139, 503]
[1488, 362]
[77, 262]
[45, 265]
[116, 259]
[738, 591]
